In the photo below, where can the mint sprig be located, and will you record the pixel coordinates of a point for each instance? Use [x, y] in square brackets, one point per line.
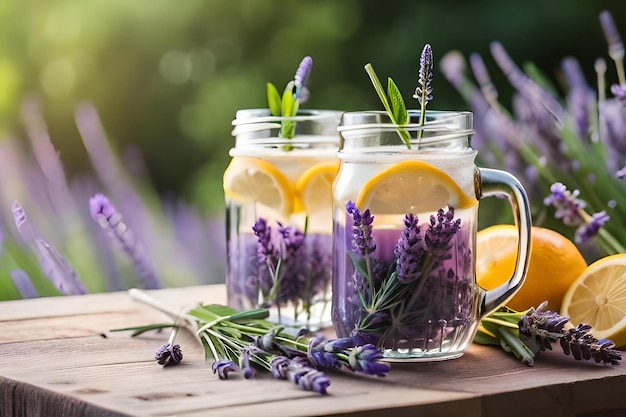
[393, 102]
[288, 105]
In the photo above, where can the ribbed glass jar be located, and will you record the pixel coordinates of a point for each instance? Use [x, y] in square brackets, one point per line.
[279, 215]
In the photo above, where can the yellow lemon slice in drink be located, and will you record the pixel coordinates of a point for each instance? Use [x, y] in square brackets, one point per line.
[598, 298]
[314, 188]
[251, 179]
[411, 187]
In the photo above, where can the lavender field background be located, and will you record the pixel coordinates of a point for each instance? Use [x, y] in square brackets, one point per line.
[133, 100]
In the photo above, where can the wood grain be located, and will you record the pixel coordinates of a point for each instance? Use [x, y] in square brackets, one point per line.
[58, 356]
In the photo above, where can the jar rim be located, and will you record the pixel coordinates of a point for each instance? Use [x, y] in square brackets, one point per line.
[263, 115]
[459, 122]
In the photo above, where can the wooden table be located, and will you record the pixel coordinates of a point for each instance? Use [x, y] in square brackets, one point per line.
[59, 358]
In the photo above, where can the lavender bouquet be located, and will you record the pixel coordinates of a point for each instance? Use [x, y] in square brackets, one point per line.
[571, 151]
[402, 298]
[245, 341]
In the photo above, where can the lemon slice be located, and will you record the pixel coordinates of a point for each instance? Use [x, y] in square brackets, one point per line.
[314, 188]
[251, 179]
[598, 298]
[411, 187]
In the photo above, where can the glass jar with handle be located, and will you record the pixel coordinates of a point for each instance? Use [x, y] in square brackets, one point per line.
[405, 221]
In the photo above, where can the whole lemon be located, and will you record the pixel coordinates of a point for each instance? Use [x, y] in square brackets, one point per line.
[555, 263]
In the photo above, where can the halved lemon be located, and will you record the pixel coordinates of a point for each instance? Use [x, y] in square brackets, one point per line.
[598, 298]
[411, 187]
[314, 188]
[252, 179]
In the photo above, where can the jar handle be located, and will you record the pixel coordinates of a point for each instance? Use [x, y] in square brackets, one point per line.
[501, 184]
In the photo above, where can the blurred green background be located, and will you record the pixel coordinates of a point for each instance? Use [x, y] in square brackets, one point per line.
[167, 77]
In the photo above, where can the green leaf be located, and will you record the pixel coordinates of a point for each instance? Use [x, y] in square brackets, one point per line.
[485, 339]
[289, 108]
[143, 329]
[397, 103]
[273, 100]
[379, 90]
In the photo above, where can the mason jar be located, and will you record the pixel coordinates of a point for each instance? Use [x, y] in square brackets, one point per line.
[279, 215]
[405, 223]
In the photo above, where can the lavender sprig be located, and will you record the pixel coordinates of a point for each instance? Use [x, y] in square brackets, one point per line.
[535, 330]
[244, 341]
[424, 90]
[105, 214]
[390, 296]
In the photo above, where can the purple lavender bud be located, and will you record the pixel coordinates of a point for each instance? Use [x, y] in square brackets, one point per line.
[292, 240]
[313, 380]
[24, 227]
[337, 345]
[248, 372]
[613, 38]
[169, 354]
[280, 366]
[303, 71]
[587, 231]
[263, 232]
[365, 359]
[482, 76]
[105, 214]
[424, 89]
[440, 232]
[300, 79]
[362, 241]
[582, 345]
[409, 251]
[567, 205]
[621, 174]
[223, 367]
[24, 285]
[58, 269]
[619, 92]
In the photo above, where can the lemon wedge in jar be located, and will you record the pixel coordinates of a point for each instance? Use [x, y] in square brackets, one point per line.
[256, 180]
[411, 187]
[314, 188]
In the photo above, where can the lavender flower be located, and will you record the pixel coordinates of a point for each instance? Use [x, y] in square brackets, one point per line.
[587, 231]
[410, 251]
[300, 92]
[365, 359]
[105, 214]
[583, 346]
[308, 378]
[223, 367]
[263, 232]
[567, 204]
[539, 328]
[616, 46]
[244, 360]
[621, 174]
[362, 229]
[169, 354]
[424, 90]
[619, 92]
[440, 232]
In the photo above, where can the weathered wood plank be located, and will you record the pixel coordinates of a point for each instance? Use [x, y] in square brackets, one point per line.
[59, 354]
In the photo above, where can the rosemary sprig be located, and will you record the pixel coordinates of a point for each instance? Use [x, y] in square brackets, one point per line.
[393, 102]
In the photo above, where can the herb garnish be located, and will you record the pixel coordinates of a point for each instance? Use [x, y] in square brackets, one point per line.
[394, 103]
[295, 93]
